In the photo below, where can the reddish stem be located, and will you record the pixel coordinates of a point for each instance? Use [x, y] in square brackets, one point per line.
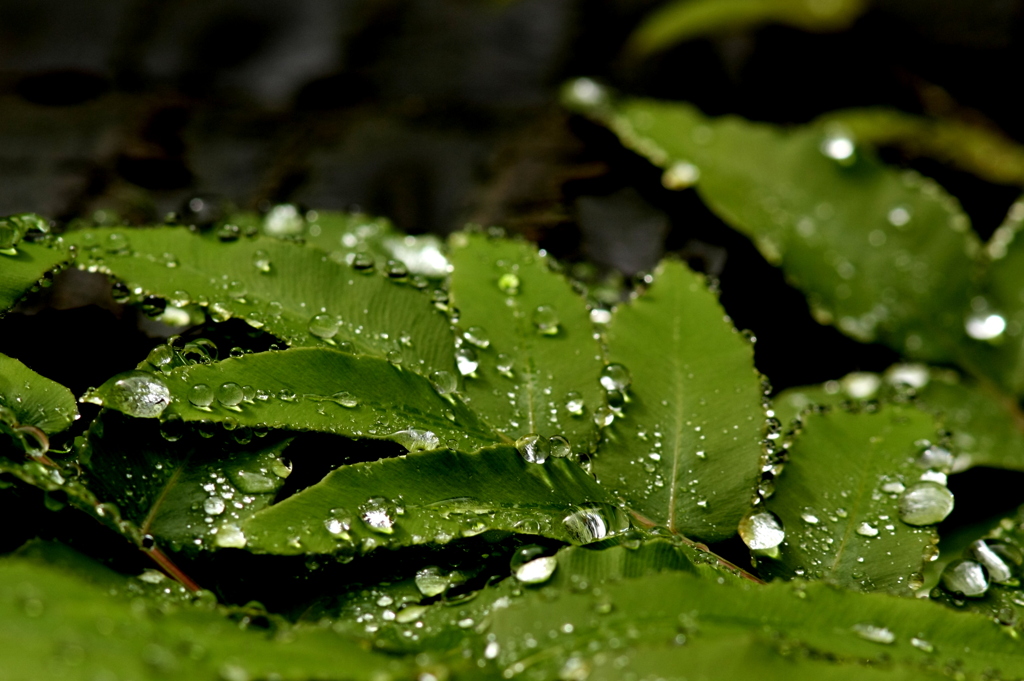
[168, 566]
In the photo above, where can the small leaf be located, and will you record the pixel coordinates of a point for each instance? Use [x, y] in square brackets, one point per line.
[681, 20]
[316, 389]
[35, 400]
[21, 271]
[687, 452]
[539, 369]
[55, 623]
[882, 254]
[987, 427]
[840, 496]
[302, 296]
[434, 498]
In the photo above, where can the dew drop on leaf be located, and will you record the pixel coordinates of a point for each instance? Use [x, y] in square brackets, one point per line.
[545, 320]
[323, 326]
[477, 335]
[338, 521]
[874, 633]
[345, 399]
[432, 581]
[615, 377]
[508, 283]
[761, 530]
[925, 503]
[536, 571]
[560, 447]
[214, 505]
[466, 360]
[200, 396]
[966, 578]
[1001, 560]
[867, 530]
[505, 364]
[396, 269]
[534, 448]
[261, 260]
[985, 325]
[416, 440]
[935, 457]
[139, 394]
[379, 514]
[444, 382]
[594, 523]
[230, 537]
[363, 263]
[574, 403]
[230, 394]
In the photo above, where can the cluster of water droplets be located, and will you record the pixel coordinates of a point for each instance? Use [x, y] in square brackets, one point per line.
[15, 228]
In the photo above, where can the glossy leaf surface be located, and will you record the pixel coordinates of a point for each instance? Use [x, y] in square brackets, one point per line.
[35, 400]
[20, 272]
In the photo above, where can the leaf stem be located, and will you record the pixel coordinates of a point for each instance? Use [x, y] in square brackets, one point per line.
[168, 566]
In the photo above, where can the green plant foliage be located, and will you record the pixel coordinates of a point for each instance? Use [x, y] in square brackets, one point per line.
[985, 424]
[34, 400]
[840, 499]
[540, 368]
[688, 450]
[315, 389]
[28, 265]
[883, 254]
[298, 294]
[436, 497]
[680, 20]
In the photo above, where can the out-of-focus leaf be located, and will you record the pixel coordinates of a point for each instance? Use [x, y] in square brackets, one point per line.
[687, 453]
[680, 20]
[56, 624]
[987, 427]
[316, 389]
[882, 254]
[981, 151]
[21, 271]
[436, 497]
[298, 294]
[534, 365]
[35, 400]
[839, 498]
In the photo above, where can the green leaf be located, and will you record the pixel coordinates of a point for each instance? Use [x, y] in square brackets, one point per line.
[277, 286]
[21, 271]
[680, 20]
[186, 490]
[540, 349]
[987, 154]
[882, 254]
[35, 400]
[443, 495]
[55, 624]
[839, 500]
[987, 427]
[316, 389]
[687, 453]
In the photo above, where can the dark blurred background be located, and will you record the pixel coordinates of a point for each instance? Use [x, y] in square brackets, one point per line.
[440, 112]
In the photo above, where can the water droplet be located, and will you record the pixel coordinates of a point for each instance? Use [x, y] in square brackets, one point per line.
[965, 578]
[1001, 560]
[338, 521]
[560, 447]
[395, 269]
[604, 416]
[201, 396]
[615, 377]
[839, 147]
[261, 260]
[545, 320]
[680, 175]
[477, 335]
[874, 633]
[596, 522]
[809, 518]
[504, 364]
[139, 394]
[432, 581]
[214, 505]
[345, 399]
[537, 571]
[416, 440]
[985, 325]
[925, 503]
[230, 394]
[379, 514]
[283, 220]
[509, 284]
[172, 428]
[117, 243]
[13, 229]
[762, 531]
[867, 530]
[363, 263]
[899, 216]
[574, 403]
[935, 458]
[254, 481]
[586, 92]
[444, 382]
[466, 361]
[324, 326]
[534, 448]
[230, 537]
[922, 644]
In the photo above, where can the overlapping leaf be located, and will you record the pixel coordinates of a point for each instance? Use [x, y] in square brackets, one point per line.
[535, 364]
[687, 453]
[839, 499]
[298, 294]
[35, 400]
[21, 271]
[316, 389]
[435, 497]
[882, 254]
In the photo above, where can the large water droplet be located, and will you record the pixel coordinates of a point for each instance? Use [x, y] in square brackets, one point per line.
[839, 147]
[925, 503]
[560, 447]
[937, 458]
[537, 571]
[545, 320]
[379, 514]
[13, 229]
[432, 581]
[417, 440]
[762, 531]
[230, 394]
[466, 361]
[596, 522]
[214, 505]
[139, 394]
[201, 396]
[534, 448]
[965, 578]
[338, 521]
[230, 537]
[444, 382]
[324, 326]
[615, 377]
